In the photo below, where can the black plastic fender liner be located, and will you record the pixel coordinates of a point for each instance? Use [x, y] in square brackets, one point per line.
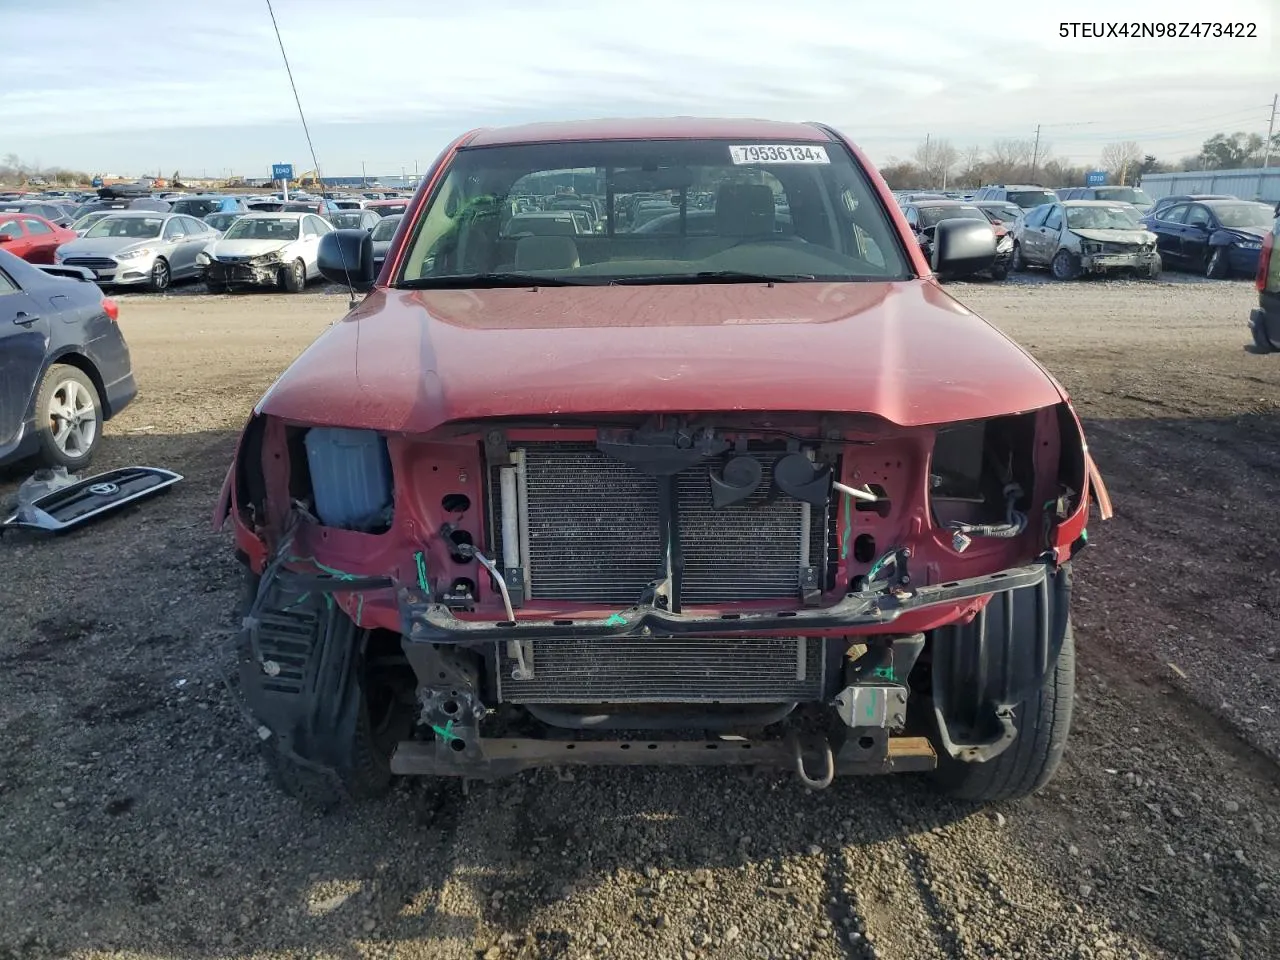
[983, 670]
[305, 689]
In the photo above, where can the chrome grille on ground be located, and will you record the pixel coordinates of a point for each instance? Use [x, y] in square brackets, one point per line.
[592, 532]
[703, 670]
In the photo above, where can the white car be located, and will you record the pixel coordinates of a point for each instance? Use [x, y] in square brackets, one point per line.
[265, 250]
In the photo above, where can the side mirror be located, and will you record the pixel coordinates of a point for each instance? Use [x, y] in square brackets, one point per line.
[346, 257]
[963, 246]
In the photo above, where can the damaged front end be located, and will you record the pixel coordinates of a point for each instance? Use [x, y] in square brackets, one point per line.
[740, 588]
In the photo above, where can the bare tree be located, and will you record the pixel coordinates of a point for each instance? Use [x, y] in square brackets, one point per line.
[1121, 159]
[1011, 159]
[936, 159]
[972, 163]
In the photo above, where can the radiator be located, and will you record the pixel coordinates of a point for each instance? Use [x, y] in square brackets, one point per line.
[591, 532]
[702, 670]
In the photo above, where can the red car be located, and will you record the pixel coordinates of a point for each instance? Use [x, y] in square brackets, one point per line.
[759, 492]
[388, 208]
[32, 238]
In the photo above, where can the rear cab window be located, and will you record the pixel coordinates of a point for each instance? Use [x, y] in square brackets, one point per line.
[668, 210]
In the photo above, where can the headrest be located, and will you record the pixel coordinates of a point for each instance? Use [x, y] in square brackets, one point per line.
[546, 253]
[744, 209]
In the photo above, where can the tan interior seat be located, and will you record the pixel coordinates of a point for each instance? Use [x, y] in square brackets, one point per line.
[546, 253]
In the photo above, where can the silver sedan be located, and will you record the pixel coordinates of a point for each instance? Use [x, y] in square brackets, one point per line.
[140, 247]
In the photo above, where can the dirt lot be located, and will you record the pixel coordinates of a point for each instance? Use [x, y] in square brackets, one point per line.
[135, 821]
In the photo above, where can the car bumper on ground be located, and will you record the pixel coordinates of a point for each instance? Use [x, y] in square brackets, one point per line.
[1143, 262]
[242, 274]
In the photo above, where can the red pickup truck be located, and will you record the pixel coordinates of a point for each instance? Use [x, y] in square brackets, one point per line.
[759, 492]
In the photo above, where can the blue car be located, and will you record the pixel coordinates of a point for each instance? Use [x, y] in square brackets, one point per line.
[201, 206]
[1216, 237]
[64, 364]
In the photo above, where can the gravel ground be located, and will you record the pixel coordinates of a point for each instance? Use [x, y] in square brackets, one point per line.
[135, 820]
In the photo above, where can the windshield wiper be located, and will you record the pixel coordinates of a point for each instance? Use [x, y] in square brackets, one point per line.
[483, 280]
[717, 276]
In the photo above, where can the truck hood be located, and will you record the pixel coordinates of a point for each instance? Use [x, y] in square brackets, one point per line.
[409, 361]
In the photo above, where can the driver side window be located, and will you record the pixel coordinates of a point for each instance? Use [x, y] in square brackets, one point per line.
[1198, 217]
[174, 229]
[1036, 216]
[1053, 220]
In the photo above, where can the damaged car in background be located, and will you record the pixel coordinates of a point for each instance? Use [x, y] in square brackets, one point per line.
[740, 497]
[1078, 237]
[265, 250]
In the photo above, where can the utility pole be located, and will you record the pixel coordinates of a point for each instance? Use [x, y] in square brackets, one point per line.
[364, 179]
[415, 173]
[926, 154]
[1271, 125]
[1035, 154]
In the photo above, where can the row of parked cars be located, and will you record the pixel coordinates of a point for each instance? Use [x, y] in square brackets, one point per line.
[1101, 230]
[228, 241]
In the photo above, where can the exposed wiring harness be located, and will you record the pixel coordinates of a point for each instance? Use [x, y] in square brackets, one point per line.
[1015, 522]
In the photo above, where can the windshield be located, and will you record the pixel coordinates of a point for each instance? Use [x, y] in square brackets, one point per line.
[1027, 199]
[1102, 218]
[931, 216]
[141, 228]
[220, 221]
[197, 208]
[390, 209]
[386, 227]
[88, 220]
[1123, 195]
[836, 228]
[347, 219]
[263, 228]
[1244, 214]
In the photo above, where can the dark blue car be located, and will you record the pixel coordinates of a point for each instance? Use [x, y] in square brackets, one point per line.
[1216, 237]
[64, 364]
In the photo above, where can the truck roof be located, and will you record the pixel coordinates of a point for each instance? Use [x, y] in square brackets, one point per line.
[660, 128]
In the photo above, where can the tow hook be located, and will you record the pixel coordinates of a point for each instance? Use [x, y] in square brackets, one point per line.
[829, 763]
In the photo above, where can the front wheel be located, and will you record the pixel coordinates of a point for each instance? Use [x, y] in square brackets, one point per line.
[294, 277]
[1017, 263]
[999, 273]
[160, 278]
[991, 661]
[1065, 266]
[1217, 266]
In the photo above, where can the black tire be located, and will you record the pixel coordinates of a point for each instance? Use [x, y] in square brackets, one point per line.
[216, 286]
[352, 760]
[1016, 263]
[1042, 716]
[53, 389]
[294, 277]
[1065, 266]
[1154, 272]
[999, 273]
[1260, 342]
[160, 277]
[1217, 266]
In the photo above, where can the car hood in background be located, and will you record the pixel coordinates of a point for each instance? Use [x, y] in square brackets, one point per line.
[1117, 236]
[103, 246]
[413, 360]
[247, 249]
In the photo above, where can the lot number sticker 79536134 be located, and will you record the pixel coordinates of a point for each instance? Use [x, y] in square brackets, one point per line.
[779, 153]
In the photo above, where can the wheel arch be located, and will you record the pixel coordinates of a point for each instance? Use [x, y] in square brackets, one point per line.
[71, 356]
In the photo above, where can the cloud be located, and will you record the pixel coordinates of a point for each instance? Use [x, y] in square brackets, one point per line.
[398, 78]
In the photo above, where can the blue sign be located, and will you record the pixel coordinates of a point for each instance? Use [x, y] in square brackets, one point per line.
[282, 171]
[1095, 178]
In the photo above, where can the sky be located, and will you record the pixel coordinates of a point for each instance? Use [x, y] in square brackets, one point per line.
[201, 87]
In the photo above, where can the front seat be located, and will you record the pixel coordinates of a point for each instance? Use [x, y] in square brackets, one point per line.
[546, 253]
[744, 210]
